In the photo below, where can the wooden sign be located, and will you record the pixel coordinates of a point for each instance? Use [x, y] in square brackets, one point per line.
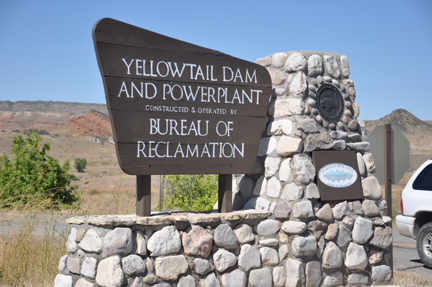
[338, 177]
[177, 108]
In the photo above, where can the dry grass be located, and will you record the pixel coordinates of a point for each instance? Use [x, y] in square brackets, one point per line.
[118, 198]
[410, 279]
[396, 194]
[107, 202]
[29, 256]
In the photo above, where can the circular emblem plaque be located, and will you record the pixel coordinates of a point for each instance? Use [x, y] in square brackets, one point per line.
[330, 102]
[337, 175]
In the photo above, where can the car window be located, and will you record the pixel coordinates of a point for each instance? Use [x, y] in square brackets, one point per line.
[424, 179]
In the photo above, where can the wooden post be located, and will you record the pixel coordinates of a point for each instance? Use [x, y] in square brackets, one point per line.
[225, 193]
[388, 179]
[143, 193]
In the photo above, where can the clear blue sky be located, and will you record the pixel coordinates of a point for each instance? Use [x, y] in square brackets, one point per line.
[47, 53]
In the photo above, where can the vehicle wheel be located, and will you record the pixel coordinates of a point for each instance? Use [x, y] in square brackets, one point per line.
[424, 244]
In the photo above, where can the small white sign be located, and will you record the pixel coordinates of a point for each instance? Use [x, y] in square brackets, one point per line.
[337, 175]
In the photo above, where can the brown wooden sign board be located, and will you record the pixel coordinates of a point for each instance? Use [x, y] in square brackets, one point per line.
[338, 177]
[177, 108]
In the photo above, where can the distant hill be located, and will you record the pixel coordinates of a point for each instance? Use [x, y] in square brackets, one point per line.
[92, 124]
[54, 107]
[41, 114]
[418, 132]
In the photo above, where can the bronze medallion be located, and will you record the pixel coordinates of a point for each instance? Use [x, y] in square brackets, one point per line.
[330, 102]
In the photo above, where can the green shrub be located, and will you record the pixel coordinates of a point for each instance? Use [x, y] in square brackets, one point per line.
[80, 164]
[39, 132]
[31, 176]
[73, 177]
[197, 192]
[42, 132]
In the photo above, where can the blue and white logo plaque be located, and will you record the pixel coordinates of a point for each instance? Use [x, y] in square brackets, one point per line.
[337, 175]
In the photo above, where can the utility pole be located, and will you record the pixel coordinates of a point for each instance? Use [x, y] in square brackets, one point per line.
[161, 192]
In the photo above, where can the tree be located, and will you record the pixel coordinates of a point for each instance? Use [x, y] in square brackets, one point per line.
[196, 192]
[80, 164]
[30, 175]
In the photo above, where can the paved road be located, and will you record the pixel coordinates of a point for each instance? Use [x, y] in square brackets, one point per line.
[10, 222]
[405, 257]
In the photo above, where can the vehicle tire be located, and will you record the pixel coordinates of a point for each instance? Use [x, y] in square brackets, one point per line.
[424, 244]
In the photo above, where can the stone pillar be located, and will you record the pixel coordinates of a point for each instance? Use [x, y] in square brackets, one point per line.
[284, 178]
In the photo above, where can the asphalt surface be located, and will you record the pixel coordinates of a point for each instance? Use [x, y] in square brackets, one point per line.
[405, 256]
[41, 223]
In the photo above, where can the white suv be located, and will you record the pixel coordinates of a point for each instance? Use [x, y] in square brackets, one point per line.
[416, 209]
